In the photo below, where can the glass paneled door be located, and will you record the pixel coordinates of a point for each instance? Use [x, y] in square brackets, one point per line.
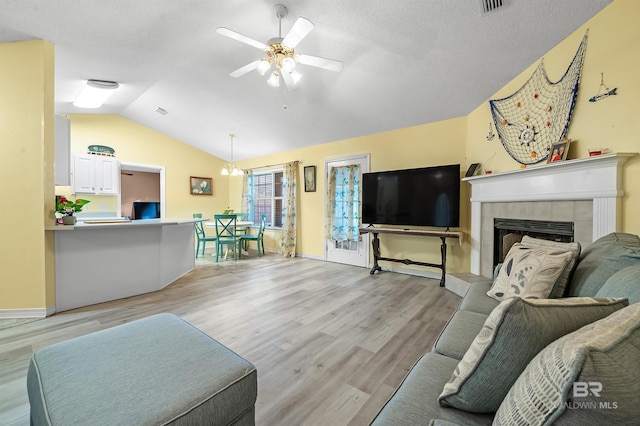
[343, 244]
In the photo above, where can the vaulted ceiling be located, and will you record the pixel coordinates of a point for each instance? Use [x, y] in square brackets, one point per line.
[406, 62]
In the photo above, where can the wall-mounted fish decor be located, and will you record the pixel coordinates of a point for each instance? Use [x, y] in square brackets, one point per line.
[606, 93]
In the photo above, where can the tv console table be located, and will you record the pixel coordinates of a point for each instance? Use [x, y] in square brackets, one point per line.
[443, 235]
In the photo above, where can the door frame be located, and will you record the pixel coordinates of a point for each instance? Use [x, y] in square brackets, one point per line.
[366, 159]
[149, 168]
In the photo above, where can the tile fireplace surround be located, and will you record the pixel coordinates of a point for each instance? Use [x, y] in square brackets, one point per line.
[586, 191]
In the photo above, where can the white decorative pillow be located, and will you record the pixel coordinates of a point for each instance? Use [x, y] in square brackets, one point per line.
[514, 332]
[574, 248]
[529, 272]
[588, 377]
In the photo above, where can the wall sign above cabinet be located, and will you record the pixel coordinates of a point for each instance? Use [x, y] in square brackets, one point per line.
[101, 150]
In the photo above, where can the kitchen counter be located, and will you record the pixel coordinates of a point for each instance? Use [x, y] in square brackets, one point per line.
[102, 260]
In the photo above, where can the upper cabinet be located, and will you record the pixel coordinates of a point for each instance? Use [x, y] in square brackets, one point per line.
[63, 154]
[95, 174]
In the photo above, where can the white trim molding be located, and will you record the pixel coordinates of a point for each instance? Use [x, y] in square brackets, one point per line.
[28, 313]
[598, 179]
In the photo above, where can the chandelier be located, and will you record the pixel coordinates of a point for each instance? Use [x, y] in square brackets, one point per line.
[230, 168]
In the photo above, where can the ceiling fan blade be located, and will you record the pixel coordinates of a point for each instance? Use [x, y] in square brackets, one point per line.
[300, 29]
[241, 38]
[317, 61]
[244, 70]
[289, 82]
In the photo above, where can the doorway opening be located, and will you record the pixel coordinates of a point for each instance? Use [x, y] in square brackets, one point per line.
[141, 182]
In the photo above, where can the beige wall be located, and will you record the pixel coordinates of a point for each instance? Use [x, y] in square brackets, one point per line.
[138, 186]
[612, 48]
[26, 172]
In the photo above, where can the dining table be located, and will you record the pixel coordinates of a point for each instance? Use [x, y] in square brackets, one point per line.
[240, 224]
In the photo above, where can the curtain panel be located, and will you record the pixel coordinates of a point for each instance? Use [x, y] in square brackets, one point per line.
[289, 208]
[343, 194]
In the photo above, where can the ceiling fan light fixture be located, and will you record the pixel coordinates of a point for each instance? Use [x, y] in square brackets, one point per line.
[263, 66]
[295, 76]
[288, 65]
[94, 93]
[274, 80]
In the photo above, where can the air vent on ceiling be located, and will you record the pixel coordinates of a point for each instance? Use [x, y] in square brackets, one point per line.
[491, 5]
[161, 111]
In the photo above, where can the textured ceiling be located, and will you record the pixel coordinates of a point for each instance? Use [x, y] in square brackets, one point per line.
[406, 62]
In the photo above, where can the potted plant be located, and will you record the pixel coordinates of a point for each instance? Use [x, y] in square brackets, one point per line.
[66, 208]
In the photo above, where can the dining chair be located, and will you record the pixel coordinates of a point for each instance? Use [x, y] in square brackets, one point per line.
[226, 233]
[258, 238]
[201, 236]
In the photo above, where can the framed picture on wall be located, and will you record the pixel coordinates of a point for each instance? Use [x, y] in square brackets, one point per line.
[559, 151]
[310, 179]
[200, 185]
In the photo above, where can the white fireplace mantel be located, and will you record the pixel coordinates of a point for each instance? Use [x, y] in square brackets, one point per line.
[596, 178]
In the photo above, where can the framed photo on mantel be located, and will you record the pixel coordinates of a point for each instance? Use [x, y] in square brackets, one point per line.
[559, 151]
[201, 185]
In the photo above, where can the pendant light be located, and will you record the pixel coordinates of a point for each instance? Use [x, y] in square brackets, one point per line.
[230, 168]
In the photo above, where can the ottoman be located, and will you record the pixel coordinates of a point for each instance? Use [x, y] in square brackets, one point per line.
[158, 370]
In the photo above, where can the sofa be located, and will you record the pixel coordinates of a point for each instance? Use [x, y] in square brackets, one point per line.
[567, 354]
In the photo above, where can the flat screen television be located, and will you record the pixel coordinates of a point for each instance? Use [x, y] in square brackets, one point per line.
[428, 196]
[146, 210]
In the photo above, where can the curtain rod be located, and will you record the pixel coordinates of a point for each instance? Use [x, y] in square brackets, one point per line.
[273, 165]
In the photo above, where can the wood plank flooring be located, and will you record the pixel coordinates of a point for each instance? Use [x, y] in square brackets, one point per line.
[331, 342]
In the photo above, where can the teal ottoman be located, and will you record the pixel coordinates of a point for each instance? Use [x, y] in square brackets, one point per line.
[158, 370]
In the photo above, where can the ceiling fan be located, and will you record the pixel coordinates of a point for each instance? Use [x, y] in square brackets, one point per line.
[281, 59]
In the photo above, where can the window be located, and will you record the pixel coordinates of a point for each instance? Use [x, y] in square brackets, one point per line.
[267, 197]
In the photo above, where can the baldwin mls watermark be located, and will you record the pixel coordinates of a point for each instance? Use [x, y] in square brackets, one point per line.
[587, 389]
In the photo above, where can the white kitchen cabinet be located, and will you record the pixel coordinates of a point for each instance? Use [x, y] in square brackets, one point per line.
[95, 174]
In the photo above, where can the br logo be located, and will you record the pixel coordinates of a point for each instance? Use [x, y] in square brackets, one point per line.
[583, 389]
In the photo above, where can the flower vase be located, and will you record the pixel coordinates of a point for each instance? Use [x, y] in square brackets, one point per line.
[69, 220]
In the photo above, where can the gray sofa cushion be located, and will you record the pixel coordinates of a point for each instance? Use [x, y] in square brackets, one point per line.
[415, 402]
[603, 356]
[511, 336]
[456, 337]
[624, 283]
[573, 248]
[603, 258]
[476, 299]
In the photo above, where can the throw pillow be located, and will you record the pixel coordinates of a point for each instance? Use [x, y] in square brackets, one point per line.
[515, 331]
[574, 248]
[529, 272]
[601, 259]
[624, 283]
[590, 377]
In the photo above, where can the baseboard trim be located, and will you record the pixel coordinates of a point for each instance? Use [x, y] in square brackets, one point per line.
[28, 313]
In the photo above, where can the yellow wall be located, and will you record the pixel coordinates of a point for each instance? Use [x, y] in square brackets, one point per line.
[26, 79]
[397, 149]
[612, 48]
[26, 171]
[134, 143]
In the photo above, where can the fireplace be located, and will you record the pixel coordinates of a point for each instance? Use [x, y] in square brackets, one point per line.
[507, 232]
[586, 192]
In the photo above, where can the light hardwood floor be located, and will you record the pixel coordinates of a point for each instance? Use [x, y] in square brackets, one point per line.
[331, 342]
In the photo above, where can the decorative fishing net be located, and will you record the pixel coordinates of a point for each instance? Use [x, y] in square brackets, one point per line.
[536, 116]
